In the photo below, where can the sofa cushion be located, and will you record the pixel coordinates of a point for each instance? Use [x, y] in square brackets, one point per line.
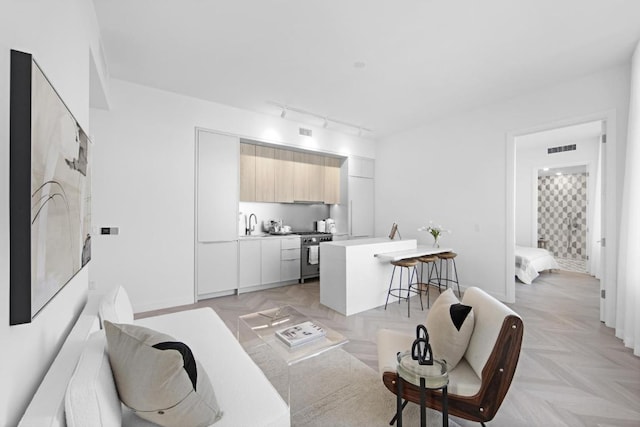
[91, 398]
[115, 307]
[450, 325]
[159, 378]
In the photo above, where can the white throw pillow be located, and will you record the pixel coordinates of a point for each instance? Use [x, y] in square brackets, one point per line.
[158, 377]
[450, 325]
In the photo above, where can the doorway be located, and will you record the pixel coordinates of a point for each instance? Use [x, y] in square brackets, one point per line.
[603, 221]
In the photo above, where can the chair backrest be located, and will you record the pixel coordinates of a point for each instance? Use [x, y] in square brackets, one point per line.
[489, 314]
[116, 307]
[493, 351]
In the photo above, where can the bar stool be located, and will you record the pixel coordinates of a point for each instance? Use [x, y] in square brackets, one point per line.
[449, 259]
[397, 292]
[431, 262]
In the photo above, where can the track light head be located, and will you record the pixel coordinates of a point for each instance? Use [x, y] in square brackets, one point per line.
[326, 123]
[284, 113]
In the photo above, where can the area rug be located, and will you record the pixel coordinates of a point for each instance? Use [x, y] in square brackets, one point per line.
[336, 389]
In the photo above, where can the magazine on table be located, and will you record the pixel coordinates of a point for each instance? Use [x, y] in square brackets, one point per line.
[300, 333]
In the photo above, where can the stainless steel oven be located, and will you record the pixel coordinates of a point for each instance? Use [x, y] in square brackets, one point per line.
[310, 253]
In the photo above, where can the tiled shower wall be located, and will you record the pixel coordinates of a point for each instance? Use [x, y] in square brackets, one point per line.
[562, 214]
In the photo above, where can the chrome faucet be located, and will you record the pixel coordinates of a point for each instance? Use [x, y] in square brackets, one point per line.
[250, 228]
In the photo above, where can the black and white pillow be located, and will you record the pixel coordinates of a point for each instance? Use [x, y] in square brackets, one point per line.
[159, 378]
[450, 325]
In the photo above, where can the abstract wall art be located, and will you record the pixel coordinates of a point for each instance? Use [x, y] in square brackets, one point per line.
[50, 191]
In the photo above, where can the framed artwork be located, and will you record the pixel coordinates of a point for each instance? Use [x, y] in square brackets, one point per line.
[50, 191]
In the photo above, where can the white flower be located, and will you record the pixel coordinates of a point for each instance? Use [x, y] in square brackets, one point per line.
[435, 230]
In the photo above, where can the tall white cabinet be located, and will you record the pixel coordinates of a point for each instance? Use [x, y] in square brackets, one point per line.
[361, 197]
[217, 188]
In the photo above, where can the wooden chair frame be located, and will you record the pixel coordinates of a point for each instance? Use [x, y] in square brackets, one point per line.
[495, 382]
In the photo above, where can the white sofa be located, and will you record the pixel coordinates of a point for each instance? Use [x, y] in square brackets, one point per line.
[245, 395]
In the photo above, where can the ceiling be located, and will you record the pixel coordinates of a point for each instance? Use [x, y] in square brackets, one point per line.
[379, 64]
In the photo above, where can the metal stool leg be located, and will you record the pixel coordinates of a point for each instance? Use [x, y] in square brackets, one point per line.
[455, 271]
[390, 284]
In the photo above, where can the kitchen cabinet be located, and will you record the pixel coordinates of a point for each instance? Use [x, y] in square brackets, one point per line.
[316, 177]
[247, 172]
[283, 176]
[217, 270]
[265, 174]
[361, 206]
[290, 259]
[331, 180]
[250, 253]
[300, 176]
[217, 205]
[308, 177]
[269, 174]
[361, 167]
[270, 260]
[216, 213]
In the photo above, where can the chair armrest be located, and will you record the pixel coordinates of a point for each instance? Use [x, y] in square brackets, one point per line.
[390, 342]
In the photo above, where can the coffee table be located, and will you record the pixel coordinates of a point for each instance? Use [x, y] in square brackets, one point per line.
[258, 329]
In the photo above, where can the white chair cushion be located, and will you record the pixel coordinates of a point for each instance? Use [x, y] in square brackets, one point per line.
[489, 316]
[450, 325]
[463, 380]
[91, 398]
[115, 307]
[159, 378]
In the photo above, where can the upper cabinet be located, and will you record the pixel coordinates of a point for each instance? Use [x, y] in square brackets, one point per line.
[217, 205]
[286, 176]
[331, 180]
[362, 167]
[265, 174]
[247, 172]
[283, 175]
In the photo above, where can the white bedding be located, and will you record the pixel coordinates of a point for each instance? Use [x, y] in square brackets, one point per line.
[530, 261]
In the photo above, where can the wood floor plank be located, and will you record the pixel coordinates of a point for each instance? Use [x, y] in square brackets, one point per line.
[573, 371]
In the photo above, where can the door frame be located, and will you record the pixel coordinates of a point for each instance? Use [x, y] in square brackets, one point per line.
[609, 256]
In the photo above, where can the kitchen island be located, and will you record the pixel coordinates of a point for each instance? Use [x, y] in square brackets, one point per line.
[352, 278]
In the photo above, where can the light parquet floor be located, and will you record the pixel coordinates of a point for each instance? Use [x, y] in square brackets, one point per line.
[572, 371]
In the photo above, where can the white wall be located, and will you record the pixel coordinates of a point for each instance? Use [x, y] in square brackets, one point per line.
[454, 170]
[529, 159]
[143, 182]
[60, 35]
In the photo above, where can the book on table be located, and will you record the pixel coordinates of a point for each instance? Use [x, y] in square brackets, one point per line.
[301, 333]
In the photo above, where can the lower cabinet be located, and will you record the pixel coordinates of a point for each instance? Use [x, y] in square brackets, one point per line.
[217, 270]
[270, 260]
[290, 259]
[249, 263]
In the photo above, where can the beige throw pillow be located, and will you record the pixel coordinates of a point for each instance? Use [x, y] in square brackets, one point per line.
[450, 325]
[158, 377]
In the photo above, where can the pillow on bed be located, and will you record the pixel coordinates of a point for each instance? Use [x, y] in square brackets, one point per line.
[450, 325]
[158, 377]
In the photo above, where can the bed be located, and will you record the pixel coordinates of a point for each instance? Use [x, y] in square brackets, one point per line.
[531, 261]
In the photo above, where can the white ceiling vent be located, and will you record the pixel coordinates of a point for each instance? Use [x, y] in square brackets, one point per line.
[305, 132]
[560, 149]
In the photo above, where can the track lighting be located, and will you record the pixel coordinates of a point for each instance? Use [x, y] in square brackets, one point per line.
[325, 119]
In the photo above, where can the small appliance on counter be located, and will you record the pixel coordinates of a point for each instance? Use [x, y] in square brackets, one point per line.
[330, 225]
[321, 226]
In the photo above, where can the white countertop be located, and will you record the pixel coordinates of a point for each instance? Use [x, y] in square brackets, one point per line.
[268, 236]
[360, 242]
[411, 253]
